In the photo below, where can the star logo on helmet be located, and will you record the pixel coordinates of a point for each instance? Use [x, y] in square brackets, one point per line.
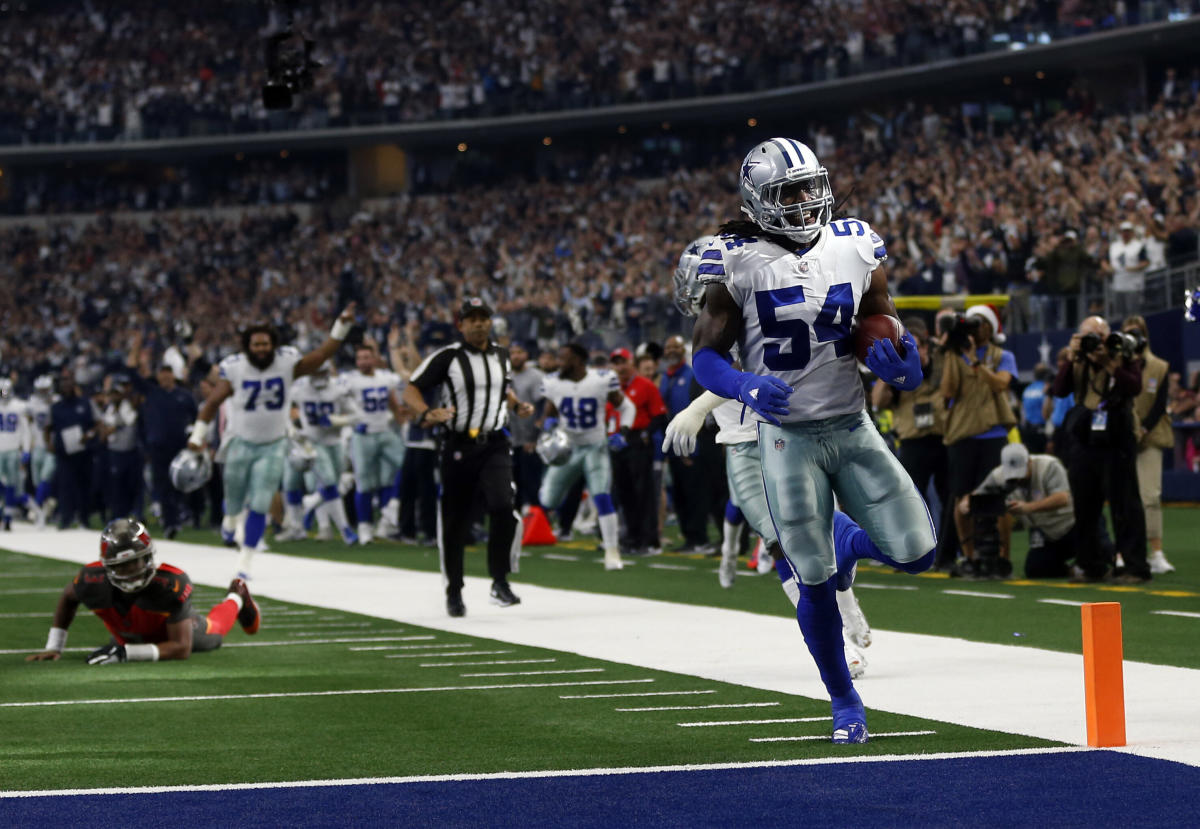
[693, 250]
[747, 167]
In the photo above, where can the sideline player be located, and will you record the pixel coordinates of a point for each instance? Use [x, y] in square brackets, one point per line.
[325, 405]
[785, 288]
[15, 442]
[376, 448]
[147, 609]
[253, 448]
[41, 462]
[576, 396]
[739, 434]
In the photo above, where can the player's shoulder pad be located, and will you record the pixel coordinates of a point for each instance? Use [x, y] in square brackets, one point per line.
[289, 352]
[230, 363]
[174, 580]
[869, 244]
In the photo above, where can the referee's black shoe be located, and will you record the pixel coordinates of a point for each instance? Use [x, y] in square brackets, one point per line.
[502, 594]
[454, 604]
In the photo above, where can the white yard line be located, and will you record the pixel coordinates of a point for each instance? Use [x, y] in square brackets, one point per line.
[484, 662]
[270, 644]
[670, 567]
[974, 594]
[866, 585]
[550, 773]
[407, 648]
[751, 722]
[1064, 602]
[976, 684]
[560, 557]
[642, 694]
[538, 673]
[702, 707]
[826, 737]
[1176, 613]
[457, 653]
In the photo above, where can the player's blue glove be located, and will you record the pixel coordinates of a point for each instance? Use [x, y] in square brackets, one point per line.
[549, 423]
[767, 396]
[25, 458]
[324, 421]
[108, 655]
[361, 428]
[901, 373]
[617, 442]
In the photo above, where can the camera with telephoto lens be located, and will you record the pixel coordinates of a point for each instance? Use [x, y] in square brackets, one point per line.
[289, 63]
[958, 338]
[1120, 344]
[986, 510]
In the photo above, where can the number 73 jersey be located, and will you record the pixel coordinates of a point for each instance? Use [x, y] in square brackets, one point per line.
[797, 310]
[580, 403]
[258, 410]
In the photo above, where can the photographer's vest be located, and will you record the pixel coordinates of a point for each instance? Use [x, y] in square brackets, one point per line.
[1154, 377]
[922, 412]
[976, 407]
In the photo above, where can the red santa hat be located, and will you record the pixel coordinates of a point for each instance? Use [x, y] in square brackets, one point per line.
[988, 313]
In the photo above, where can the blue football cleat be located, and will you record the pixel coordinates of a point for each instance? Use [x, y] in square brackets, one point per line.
[847, 562]
[228, 539]
[849, 720]
[349, 535]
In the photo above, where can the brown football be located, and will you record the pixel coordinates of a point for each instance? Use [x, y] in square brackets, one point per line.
[877, 327]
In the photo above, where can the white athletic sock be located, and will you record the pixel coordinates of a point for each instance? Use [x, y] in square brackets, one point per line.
[293, 516]
[322, 515]
[333, 509]
[243, 563]
[235, 598]
[610, 531]
[391, 512]
[729, 540]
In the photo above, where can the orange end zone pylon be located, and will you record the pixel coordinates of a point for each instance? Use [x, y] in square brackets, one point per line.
[1103, 677]
[537, 529]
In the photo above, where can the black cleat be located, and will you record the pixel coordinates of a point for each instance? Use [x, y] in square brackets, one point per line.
[502, 594]
[455, 606]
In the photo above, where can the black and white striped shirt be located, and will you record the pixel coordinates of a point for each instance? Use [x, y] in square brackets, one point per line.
[474, 382]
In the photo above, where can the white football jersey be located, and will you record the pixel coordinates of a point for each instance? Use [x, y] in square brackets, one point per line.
[736, 423]
[797, 309]
[370, 393]
[580, 403]
[39, 412]
[315, 403]
[258, 410]
[14, 425]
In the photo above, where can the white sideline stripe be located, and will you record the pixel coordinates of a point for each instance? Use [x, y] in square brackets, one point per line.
[404, 648]
[456, 653]
[869, 586]
[317, 625]
[643, 694]
[1176, 613]
[978, 595]
[669, 567]
[291, 694]
[335, 632]
[484, 662]
[276, 612]
[826, 737]
[276, 644]
[525, 775]
[752, 722]
[1064, 602]
[30, 590]
[560, 557]
[41, 615]
[702, 707]
[539, 673]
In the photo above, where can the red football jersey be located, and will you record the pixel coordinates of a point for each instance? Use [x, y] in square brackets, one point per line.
[141, 617]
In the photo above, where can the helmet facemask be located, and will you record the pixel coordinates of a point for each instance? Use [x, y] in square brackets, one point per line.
[797, 207]
[128, 557]
[689, 293]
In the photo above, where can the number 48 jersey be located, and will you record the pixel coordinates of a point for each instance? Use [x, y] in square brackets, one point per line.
[258, 410]
[797, 309]
[580, 403]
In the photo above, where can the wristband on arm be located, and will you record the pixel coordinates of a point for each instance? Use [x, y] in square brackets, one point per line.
[56, 640]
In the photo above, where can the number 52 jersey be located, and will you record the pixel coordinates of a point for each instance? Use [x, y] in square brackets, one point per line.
[258, 410]
[797, 309]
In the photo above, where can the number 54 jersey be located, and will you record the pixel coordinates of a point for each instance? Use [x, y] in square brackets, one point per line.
[258, 410]
[580, 403]
[797, 309]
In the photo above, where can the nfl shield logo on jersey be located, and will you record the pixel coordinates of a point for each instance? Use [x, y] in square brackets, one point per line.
[779, 444]
[803, 267]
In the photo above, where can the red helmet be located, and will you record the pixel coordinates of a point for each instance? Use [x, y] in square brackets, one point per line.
[127, 553]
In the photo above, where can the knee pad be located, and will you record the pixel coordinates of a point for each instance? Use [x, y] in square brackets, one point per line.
[604, 504]
[329, 493]
[919, 565]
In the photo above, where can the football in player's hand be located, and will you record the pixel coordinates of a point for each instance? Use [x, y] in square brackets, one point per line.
[877, 327]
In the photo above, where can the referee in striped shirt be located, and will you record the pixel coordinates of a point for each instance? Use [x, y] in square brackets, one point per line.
[473, 378]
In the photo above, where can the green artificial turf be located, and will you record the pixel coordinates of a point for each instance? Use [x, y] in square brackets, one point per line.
[125, 742]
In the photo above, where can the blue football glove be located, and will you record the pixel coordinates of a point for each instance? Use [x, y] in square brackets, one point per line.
[361, 428]
[549, 423]
[904, 374]
[616, 442]
[108, 655]
[324, 421]
[766, 396]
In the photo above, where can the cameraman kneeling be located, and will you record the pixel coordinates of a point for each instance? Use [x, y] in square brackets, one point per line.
[1036, 492]
[1105, 377]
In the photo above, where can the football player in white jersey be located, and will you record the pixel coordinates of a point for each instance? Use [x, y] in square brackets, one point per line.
[739, 434]
[324, 405]
[41, 463]
[256, 382]
[376, 447]
[575, 398]
[785, 288]
[15, 442]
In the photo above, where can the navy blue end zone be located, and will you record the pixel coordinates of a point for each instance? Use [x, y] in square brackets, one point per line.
[1072, 789]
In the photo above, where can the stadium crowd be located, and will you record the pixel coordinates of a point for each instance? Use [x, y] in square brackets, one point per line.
[105, 71]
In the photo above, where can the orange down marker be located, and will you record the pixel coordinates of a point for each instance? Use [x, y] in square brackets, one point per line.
[1103, 679]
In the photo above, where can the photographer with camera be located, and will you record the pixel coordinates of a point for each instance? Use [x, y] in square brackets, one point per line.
[1105, 377]
[1034, 490]
[975, 380]
[1152, 425]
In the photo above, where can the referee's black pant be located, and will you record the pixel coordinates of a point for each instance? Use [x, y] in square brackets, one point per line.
[470, 468]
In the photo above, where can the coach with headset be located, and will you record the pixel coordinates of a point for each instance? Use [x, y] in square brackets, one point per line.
[474, 380]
